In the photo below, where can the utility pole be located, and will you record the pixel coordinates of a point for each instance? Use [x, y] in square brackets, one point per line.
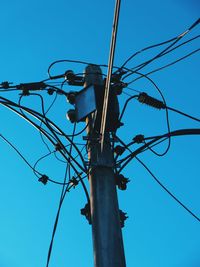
[105, 217]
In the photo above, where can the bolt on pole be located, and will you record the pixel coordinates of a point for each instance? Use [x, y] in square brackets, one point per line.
[106, 230]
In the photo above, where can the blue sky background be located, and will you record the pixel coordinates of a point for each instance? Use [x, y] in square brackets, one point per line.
[158, 232]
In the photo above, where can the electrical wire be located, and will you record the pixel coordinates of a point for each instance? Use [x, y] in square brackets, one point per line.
[184, 114]
[34, 113]
[62, 197]
[125, 106]
[20, 154]
[179, 37]
[163, 67]
[162, 43]
[167, 190]
[166, 111]
[168, 51]
[65, 190]
[124, 162]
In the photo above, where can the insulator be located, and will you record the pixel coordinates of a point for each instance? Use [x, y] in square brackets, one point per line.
[151, 101]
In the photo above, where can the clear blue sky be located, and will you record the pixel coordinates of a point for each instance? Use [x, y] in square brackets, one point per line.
[158, 232]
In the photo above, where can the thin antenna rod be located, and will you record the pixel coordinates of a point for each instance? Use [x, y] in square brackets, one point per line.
[109, 74]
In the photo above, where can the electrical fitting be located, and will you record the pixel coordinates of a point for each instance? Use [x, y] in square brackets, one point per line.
[35, 86]
[71, 97]
[144, 98]
[87, 213]
[50, 91]
[119, 150]
[121, 181]
[118, 87]
[59, 147]
[122, 217]
[138, 139]
[73, 79]
[71, 115]
[43, 179]
[74, 182]
[5, 85]
[116, 77]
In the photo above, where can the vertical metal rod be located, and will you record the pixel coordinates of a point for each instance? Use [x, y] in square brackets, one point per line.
[110, 66]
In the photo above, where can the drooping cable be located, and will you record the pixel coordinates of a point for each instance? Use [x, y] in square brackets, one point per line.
[175, 39]
[34, 113]
[21, 156]
[179, 37]
[165, 66]
[167, 190]
[124, 162]
[62, 197]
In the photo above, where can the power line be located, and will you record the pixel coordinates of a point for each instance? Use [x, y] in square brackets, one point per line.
[124, 162]
[175, 39]
[167, 190]
[183, 114]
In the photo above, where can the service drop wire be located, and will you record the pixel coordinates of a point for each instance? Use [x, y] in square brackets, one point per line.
[64, 190]
[183, 114]
[43, 131]
[163, 67]
[167, 190]
[156, 45]
[43, 112]
[125, 106]
[181, 132]
[166, 110]
[34, 114]
[169, 51]
[48, 122]
[177, 39]
[124, 162]
[39, 129]
[20, 154]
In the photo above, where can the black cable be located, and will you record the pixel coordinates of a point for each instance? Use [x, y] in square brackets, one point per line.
[54, 229]
[72, 61]
[48, 123]
[167, 52]
[62, 197]
[20, 154]
[147, 48]
[141, 149]
[165, 66]
[76, 134]
[166, 49]
[166, 110]
[166, 190]
[125, 106]
[34, 113]
[184, 114]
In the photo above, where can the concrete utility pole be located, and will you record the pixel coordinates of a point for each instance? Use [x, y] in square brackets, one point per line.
[105, 219]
